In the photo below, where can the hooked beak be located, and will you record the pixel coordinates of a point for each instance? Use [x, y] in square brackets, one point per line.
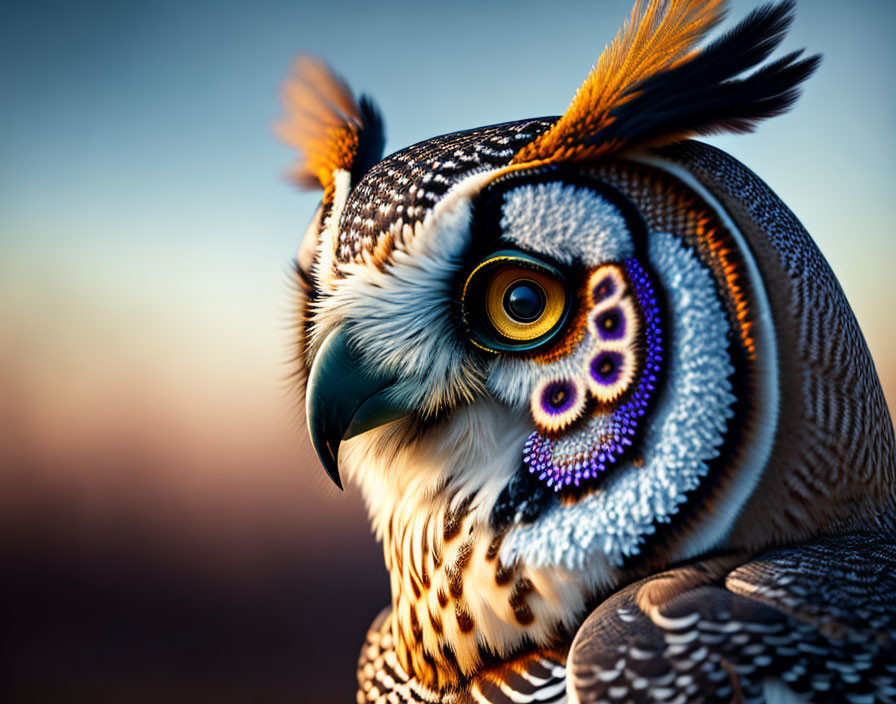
[343, 399]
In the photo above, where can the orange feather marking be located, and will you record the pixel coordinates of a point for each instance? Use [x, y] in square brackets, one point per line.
[323, 123]
[659, 35]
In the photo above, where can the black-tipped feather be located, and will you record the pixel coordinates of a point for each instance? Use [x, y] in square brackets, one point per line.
[371, 139]
[703, 95]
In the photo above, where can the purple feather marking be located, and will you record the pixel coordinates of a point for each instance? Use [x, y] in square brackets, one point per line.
[604, 288]
[612, 439]
[558, 397]
[611, 324]
[606, 367]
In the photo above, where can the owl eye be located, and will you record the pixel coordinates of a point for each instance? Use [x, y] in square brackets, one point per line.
[514, 302]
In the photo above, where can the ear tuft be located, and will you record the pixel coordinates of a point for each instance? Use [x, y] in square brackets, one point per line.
[328, 126]
[651, 87]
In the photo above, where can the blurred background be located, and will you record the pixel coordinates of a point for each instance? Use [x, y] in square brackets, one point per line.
[165, 531]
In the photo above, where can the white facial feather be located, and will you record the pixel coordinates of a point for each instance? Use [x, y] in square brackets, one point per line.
[568, 223]
[401, 318]
[476, 449]
[326, 246]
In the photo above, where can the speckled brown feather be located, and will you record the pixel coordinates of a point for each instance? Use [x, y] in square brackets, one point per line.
[821, 618]
[535, 676]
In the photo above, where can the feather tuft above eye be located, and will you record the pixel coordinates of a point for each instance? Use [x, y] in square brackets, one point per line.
[650, 86]
[331, 130]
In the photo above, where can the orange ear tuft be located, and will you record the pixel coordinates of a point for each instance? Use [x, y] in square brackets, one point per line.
[651, 87]
[657, 37]
[329, 128]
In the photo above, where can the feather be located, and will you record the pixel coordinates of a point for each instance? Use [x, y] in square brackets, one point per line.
[658, 35]
[705, 96]
[650, 87]
[330, 129]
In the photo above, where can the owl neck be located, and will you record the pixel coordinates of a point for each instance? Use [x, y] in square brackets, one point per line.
[451, 592]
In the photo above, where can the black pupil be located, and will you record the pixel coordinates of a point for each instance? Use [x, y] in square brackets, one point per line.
[606, 367]
[524, 301]
[558, 397]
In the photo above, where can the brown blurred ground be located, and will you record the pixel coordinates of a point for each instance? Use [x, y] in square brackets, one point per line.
[146, 559]
[174, 544]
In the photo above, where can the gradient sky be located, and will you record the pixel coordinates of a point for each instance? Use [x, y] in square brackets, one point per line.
[146, 228]
[146, 224]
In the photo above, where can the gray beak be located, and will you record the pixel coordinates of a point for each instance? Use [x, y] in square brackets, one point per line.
[343, 399]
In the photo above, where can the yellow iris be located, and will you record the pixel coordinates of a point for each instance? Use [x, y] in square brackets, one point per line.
[510, 280]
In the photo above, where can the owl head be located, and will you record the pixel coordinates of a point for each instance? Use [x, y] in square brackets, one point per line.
[559, 353]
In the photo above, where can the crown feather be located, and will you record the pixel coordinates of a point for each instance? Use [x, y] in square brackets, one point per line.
[651, 88]
[331, 130]
[704, 96]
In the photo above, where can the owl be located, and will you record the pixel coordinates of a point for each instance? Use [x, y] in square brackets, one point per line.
[615, 424]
